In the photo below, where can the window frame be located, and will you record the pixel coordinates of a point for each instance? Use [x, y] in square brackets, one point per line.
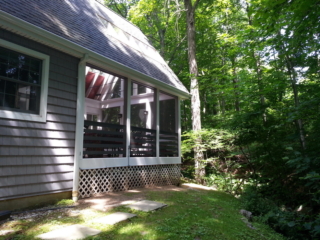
[42, 116]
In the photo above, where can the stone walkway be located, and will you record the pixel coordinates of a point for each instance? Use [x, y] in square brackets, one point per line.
[78, 231]
[114, 218]
[146, 205]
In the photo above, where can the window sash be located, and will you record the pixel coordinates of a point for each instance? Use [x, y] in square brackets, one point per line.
[36, 64]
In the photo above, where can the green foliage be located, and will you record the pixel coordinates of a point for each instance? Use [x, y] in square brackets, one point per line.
[122, 7]
[255, 202]
[188, 171]
[213, 140]
[225, 169]
[65, 202]
[294, 224]
[228, 182]
[259, 87]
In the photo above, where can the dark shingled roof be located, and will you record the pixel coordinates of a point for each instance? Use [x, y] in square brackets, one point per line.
[82, 22]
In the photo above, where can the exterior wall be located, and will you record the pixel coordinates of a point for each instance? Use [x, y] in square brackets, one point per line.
[103, 180]
[37, 158]
[33, 201]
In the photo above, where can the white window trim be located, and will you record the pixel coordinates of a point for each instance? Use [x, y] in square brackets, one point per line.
[42, 116]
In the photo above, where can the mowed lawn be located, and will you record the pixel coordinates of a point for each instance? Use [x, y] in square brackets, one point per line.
[190, 214]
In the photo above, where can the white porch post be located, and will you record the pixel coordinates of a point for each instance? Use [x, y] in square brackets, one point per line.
[128, 117]
[178, 121]
[134, 88]
[122, 107]
[79, 125]
[149, 115]
[157, 113]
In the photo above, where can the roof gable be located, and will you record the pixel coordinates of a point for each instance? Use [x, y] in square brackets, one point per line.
[81, 22]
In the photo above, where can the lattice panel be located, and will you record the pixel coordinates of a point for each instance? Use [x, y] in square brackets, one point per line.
[103, 180]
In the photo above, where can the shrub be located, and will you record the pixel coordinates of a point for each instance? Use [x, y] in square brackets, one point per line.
[291, 223]
[254, 202]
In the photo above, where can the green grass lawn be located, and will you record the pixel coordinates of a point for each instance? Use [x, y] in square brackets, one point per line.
[190, 214]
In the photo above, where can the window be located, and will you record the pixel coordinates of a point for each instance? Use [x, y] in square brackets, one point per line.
[23, 83]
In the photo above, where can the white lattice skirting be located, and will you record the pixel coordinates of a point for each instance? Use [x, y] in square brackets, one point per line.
[103, 180]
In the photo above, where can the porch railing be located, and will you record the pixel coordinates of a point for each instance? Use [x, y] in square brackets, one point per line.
[168, 144]
[142, 142]
[103, 140]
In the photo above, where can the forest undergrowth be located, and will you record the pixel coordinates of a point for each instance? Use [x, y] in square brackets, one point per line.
[280, 190]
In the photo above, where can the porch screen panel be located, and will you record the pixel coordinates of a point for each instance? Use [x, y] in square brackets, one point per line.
[104, 133]
[168, 137]
[143, 133]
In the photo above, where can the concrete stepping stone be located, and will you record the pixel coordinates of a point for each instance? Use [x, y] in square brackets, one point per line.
[73, 232]
[194, 186]
[114, 218]
[146, 205]
[5, 232]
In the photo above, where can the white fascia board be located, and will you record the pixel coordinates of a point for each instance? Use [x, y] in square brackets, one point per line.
[45, 37]
[92, 103]
[142, 161]
[94, 163]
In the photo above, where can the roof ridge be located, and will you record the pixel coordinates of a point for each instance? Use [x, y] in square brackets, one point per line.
[99, 1]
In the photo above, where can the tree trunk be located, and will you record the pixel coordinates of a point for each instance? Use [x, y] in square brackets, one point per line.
[194, 87]
[161, 33]
[257, 67]
[222, 105]
[293, 78]
[298, 122]
[235, 86]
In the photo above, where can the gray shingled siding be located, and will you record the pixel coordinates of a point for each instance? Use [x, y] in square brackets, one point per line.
[37, 158]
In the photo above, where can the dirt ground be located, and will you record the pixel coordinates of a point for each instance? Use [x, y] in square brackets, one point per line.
[106, 201]
[103, 202]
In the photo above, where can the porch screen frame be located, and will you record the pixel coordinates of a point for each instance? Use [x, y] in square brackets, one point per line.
[95, 163]
[139, 161]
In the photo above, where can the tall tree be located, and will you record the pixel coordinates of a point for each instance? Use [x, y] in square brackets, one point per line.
[194, 85]
[122, 7]
[155, 20]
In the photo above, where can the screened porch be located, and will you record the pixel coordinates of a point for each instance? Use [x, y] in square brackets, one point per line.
[127, 122]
